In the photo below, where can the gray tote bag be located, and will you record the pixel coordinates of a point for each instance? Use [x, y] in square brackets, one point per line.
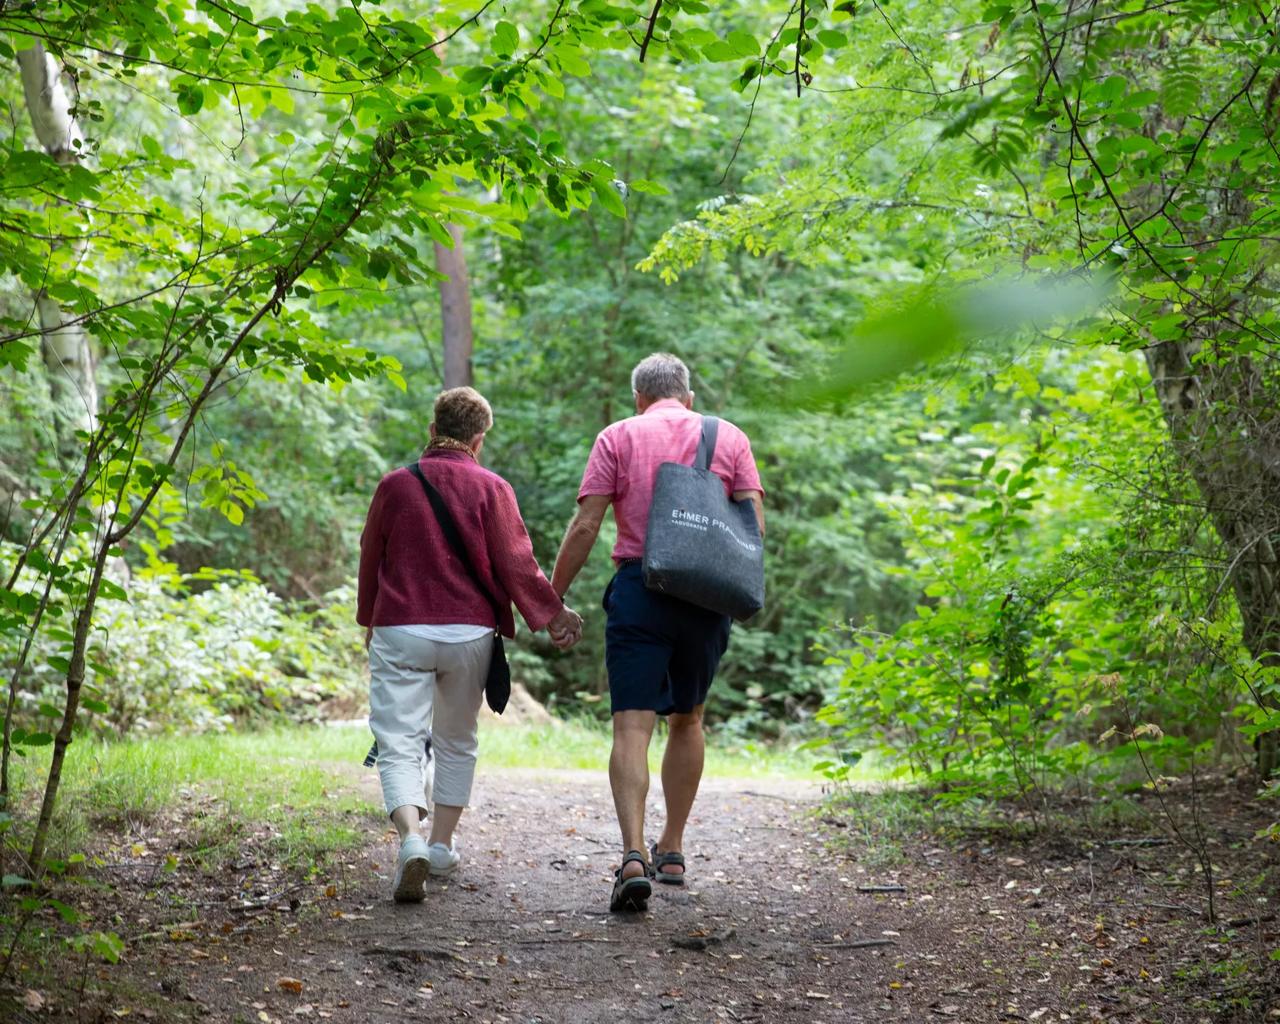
[702, 546]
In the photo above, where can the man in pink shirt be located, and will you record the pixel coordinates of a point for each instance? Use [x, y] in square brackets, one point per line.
[661, 653]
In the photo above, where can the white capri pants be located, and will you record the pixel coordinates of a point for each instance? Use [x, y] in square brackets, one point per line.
[420, 687]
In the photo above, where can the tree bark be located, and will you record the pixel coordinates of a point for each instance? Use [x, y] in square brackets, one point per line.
[455, 311]
[1223, 416]
[68, 354]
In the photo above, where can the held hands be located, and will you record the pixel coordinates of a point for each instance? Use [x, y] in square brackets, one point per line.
[565, 628]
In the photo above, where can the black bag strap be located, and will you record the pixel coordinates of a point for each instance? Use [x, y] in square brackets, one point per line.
[450, 530]
[707, 443]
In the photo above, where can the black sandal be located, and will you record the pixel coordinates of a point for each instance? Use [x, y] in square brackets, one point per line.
[631, 893]
[661, 860]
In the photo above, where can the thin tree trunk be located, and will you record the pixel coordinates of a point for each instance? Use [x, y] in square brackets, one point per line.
[455, 311]
[68, 354]
[1224, 419]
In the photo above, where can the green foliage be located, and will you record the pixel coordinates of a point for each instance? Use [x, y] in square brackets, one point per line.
[204, 651]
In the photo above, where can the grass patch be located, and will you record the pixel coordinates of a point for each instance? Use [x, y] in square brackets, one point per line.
[283, 787]
[295, 791]
[584, 745]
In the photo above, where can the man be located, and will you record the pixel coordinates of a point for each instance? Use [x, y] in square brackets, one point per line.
[661, 653]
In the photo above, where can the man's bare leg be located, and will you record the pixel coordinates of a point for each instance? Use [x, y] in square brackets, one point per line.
[629, 779]
[681, 774]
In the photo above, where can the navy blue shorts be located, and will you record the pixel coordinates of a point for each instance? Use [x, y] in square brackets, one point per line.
[661, 653]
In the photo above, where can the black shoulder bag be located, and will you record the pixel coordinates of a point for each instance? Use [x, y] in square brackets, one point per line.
[702, 546]
[497, 684]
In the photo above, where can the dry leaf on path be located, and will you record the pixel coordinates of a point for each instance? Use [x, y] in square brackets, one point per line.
[293, 985]
[33, 1000]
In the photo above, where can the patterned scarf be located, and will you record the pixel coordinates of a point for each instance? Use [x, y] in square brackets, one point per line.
[449, 444]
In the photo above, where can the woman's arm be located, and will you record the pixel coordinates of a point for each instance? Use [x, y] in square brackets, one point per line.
[511, 555]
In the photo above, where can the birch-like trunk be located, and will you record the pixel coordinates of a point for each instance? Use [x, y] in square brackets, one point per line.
[68, 354]
[455, 311]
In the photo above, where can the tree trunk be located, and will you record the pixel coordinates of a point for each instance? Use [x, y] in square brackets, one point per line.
[68, 355]
[455, 311]
[1224, 419]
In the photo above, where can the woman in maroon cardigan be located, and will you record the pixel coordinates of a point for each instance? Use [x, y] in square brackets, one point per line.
[429, 628]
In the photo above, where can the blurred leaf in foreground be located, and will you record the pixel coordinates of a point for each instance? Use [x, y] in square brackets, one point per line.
[934, 321]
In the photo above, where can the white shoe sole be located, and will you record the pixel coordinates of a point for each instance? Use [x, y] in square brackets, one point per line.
[446, 871]
[413, 874]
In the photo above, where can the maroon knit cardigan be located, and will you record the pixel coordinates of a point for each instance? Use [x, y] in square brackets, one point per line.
[410, 576]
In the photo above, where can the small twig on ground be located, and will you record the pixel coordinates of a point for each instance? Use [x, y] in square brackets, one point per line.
[164, 932]
[1171, 906]
[552, 939]
[882, 888]
[1145, 841]
[267, 902]
[857, 944]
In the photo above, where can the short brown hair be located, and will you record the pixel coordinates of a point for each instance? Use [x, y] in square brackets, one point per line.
[461, 413]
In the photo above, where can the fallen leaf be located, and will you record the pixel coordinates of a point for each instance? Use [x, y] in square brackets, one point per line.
[293, 985]
[816, 995]
[331, 891]
[33, 1000]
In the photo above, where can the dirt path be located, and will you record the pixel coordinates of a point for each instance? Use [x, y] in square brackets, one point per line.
[767, 928]
[776, 926]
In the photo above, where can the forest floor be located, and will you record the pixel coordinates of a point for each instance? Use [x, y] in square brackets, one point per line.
[781, 921]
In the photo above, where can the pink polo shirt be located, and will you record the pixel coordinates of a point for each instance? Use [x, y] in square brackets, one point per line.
[625, 459]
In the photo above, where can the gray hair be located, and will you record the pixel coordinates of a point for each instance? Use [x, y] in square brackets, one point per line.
[660, 375]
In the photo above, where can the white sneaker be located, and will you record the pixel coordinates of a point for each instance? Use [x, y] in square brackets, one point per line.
[444, 859]
[412, 867]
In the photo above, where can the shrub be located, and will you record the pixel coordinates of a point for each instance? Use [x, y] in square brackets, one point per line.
[201, 651]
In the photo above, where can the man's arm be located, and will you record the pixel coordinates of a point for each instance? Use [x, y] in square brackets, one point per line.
[578, 541]
[757, 502]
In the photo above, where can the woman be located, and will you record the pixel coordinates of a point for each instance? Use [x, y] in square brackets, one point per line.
[430, 627]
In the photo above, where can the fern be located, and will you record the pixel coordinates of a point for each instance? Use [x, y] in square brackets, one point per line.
[1180, 85]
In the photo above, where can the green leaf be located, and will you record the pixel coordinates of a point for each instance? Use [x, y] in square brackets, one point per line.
[572, 63]
[109, 946]
[190, 99]
[609, 198]
[506, 39]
